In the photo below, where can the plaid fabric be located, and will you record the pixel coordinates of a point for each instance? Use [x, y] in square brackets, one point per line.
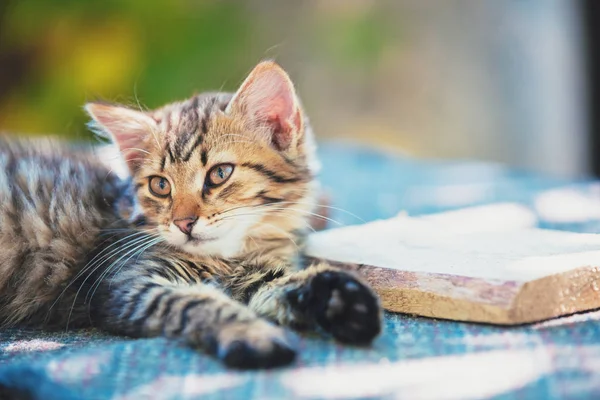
[415, 358]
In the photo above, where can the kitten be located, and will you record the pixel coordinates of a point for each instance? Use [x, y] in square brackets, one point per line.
[201, 244]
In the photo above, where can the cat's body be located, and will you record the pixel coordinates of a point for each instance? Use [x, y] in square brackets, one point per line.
[201, 244]
[56, 203]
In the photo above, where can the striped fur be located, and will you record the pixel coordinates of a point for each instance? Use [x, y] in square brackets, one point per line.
[80, 247]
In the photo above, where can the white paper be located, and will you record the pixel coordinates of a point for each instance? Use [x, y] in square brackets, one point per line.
[444, 245]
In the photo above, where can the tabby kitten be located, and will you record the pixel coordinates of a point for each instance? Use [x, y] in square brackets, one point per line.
[200, 244]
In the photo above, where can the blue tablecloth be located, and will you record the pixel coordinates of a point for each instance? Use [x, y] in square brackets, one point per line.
[414, 358]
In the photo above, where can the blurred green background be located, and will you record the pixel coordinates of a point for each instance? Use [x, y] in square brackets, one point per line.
[496, 79]
[58, 54]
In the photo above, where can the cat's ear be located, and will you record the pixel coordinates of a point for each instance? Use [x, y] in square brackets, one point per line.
[267, 99]
[128, 128]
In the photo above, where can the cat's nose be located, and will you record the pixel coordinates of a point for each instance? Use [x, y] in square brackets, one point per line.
[186, 225]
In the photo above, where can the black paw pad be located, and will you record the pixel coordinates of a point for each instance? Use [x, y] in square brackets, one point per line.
[343, 306]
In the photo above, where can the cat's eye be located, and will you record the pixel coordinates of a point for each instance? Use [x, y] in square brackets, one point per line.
[159, 186]
[219, 174]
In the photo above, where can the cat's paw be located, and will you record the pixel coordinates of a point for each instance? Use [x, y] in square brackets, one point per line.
[256, 344]
[342, 305]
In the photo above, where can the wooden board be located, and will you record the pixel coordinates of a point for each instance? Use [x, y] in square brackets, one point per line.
[483, 265]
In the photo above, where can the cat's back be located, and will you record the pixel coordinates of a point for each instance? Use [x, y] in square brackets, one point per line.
[54, 201]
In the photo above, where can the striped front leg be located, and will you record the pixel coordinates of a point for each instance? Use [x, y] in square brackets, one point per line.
[336, 300]
[198, 313]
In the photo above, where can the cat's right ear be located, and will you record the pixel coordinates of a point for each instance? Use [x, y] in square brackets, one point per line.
[128, 128]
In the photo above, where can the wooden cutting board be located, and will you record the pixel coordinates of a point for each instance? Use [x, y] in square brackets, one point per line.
[484, 264]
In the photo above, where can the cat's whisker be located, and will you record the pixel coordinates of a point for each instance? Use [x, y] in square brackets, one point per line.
[316, 215]
[242, 141]
[304, 221]
[93, 261]
[236, 208]
[139, 250]
[324, 206]
[142, 159]
[228, 217]
[286, 234]
[90, 264]
[157, 241]
[100, 258]
[136, 149]
[104, 259]
[250, 207]
[153, 229]
[110, 171]
[132, 230]
[100, 261]
[108, 269]
[259, 214]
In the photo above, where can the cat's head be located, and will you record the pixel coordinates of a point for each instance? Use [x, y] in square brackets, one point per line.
[218, 173]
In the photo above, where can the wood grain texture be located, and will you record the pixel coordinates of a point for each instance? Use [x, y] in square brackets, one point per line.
[484, 264]
[481, 300]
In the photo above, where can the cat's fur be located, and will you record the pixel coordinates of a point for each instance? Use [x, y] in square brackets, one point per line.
[80, 247]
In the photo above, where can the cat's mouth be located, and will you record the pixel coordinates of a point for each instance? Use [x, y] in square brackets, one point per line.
[199, 239]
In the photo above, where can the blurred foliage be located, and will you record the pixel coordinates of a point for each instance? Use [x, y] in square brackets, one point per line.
[56, 55]
[354, 39]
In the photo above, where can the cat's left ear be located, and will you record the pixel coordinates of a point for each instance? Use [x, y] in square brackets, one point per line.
[128, 128]
[267, 100]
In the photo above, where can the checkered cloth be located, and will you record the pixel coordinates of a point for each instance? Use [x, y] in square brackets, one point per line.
[415, 358]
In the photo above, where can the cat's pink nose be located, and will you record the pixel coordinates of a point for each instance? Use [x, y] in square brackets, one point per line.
[186, 225]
